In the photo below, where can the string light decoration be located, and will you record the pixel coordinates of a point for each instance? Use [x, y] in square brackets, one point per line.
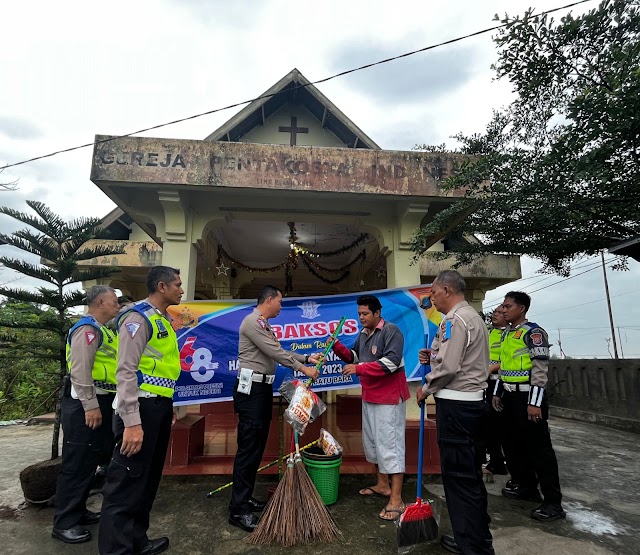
[309, 258]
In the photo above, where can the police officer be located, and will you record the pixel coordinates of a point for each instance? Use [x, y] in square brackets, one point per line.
[258, 352]
[86, 413]
[496, 464]
[148, 367]
[520, 393]
[458, 378]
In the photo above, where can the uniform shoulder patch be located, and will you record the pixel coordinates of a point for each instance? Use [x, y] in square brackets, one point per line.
[89, 337]
[132, 328]
[518, 334]
[537, 338]
[262, 323]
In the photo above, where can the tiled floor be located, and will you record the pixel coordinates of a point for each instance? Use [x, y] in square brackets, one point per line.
[342, 420]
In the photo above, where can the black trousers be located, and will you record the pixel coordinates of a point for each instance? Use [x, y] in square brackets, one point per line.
[254, 412]
[461, 429]
[132, 482]
[82, 451]
[494, 443]
[530, 455]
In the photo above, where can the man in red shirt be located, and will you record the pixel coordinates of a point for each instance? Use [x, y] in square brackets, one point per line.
[376, 358]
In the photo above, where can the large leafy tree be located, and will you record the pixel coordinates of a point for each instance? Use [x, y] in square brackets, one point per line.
[59, 246]
[557, 172]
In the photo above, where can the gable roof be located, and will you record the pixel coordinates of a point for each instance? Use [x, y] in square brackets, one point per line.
[293, 88]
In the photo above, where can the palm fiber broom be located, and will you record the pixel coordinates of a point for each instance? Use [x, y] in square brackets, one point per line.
[296, 514]
[417, 524]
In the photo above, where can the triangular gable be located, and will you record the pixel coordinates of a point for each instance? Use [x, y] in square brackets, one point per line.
[266, 119]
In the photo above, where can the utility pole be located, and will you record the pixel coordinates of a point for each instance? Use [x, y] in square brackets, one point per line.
[606, 290]
[620, 339]
[562, 355]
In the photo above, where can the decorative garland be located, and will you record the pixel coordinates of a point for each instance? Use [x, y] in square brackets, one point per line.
[225, 254]
[300, 253]
[340, 278]
[342, 250]
[308, 261]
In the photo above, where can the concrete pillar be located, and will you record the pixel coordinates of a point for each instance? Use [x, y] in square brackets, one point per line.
[402, 271]
[182, 255]
[178, 250]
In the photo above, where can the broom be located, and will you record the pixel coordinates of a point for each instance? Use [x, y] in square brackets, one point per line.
[264, 467]
[417, 523]
[296, 514]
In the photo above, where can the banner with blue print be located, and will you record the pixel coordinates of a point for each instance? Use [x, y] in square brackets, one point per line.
[208, 338]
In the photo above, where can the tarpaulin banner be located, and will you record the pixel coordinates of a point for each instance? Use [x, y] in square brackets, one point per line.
[208, 338]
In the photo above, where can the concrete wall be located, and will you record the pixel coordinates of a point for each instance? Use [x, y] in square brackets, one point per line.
[598, 390]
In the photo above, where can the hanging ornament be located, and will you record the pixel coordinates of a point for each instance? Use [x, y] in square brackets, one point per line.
[381, 271]
[222, 269]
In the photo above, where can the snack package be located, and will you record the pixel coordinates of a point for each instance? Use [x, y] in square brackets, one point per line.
[328, 443]
[304, 405]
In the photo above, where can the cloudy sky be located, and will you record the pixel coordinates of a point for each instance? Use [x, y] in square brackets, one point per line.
[74, 69]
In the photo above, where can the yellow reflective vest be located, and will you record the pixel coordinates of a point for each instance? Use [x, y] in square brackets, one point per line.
[159, 366]
[495, 340]
[515, 360]
[106, 361]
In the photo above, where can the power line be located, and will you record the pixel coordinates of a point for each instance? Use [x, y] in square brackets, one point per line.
[552, 284]
[298, 86]
[583, 304]
[583, 264]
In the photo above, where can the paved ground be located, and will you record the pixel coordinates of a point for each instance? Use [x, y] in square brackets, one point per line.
[599, 473]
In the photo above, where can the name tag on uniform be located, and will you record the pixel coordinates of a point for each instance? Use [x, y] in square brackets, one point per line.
[447, 331]
[162, 330]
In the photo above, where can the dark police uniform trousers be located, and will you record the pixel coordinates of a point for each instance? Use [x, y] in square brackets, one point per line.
[132, 482]
[461, 429]
[493, 439]
[83, 450]
[530, 455]
[254, 413]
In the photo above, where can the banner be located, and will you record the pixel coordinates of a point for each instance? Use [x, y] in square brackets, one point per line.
[208, 338]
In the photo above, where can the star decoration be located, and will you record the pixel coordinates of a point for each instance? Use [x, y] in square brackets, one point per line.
[381, 271]
[361, 283]
[222, 269]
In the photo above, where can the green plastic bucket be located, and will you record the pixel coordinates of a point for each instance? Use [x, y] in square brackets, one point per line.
[324, 471]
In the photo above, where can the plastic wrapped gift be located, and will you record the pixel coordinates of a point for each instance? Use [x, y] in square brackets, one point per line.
[304, 405]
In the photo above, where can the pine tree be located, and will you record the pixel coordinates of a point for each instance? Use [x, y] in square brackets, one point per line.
[60, 246]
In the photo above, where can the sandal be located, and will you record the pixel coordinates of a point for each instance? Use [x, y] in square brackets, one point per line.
[395, 514]
[372, 493]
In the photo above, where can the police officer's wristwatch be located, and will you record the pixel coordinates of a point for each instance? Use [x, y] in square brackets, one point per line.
[306, 359]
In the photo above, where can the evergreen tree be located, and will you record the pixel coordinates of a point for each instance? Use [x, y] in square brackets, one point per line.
[60, 246]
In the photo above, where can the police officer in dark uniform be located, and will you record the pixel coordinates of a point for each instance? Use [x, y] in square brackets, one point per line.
[258, 352]
[520, 394]
[148, 367]
[86, 413]
[458, 379]
[496, 464]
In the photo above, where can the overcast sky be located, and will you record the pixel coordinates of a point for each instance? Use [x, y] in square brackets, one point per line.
[71, 70]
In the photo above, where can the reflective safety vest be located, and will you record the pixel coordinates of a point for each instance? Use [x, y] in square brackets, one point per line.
[159, 366]
[106, 361]
[495, 340]
[515, 361]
